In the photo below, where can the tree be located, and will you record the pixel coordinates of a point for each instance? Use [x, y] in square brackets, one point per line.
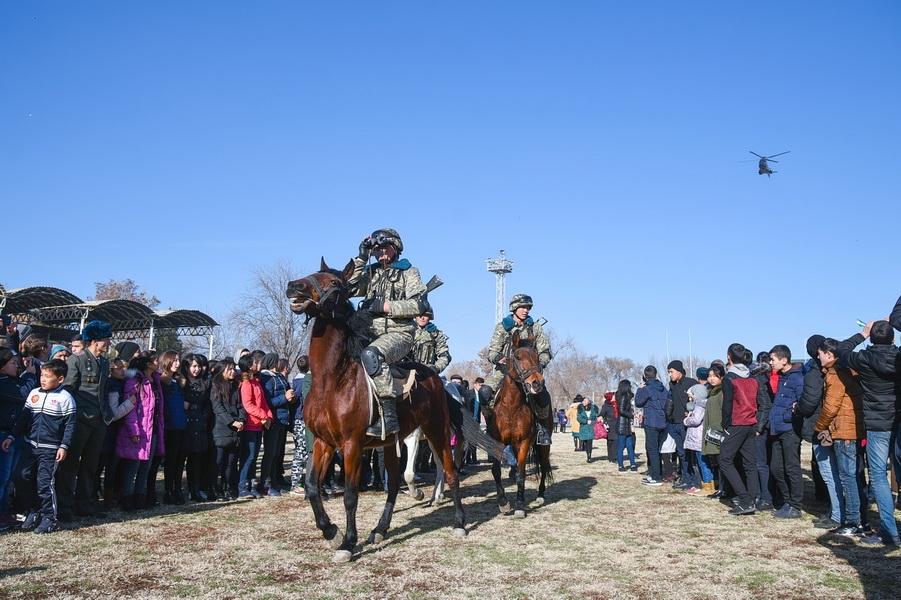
[262, 318]
[125, 289]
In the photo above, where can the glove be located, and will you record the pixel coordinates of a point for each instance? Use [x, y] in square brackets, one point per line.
[365, 248]
[375, 305]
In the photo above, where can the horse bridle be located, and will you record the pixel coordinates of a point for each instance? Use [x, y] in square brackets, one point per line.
[522, 374]
[328, 303]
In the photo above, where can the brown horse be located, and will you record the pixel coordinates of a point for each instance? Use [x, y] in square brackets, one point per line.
[514, 423]
[338, 407]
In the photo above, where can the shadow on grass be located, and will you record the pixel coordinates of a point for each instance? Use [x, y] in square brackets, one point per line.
[19, 571]
[877, 568]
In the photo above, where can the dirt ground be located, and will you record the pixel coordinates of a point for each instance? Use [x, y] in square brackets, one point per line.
[601, 534]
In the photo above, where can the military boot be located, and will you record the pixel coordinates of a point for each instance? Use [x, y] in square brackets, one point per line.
[388, 409]
[542, 411]
[486, 400]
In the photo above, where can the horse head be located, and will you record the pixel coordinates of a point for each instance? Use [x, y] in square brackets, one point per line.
[321, 294]
[526, 367]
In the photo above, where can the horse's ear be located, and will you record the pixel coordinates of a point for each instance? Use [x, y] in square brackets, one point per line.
[322, 265]
[515, 339]
[348, 270]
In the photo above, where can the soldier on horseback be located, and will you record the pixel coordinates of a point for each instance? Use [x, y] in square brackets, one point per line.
[517, 321]
[430, 344]
[394, 295]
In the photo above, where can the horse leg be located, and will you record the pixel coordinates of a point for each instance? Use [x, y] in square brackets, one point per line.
[502, 503]
[392, 468]
[438, 490]
[353, 466]
[320, 459]
[544, 467]
[446, 457]
[412, 444]
[522, 455]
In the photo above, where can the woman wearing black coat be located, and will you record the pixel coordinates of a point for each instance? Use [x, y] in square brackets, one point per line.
[625, 434]
[230, 417]
[610, 414]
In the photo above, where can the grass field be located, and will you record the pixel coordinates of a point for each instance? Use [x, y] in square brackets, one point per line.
[601, 534]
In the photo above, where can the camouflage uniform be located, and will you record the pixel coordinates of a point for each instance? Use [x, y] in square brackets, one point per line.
[400, 285]
[430, 348]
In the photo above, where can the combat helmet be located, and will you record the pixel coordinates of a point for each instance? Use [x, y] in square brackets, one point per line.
[387, 236]
[520, 300]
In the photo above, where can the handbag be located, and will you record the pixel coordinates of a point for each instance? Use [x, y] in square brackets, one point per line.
[600, 432]
[715, 436]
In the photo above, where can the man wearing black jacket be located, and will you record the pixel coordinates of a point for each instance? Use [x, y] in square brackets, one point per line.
[679, 385]
[879, 378]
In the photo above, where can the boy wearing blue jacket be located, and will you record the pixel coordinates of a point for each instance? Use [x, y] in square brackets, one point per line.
[48, 422]
[652, 397]
[785, 426]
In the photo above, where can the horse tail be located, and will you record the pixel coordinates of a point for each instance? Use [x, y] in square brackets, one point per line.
[535, 465]
[465, 425]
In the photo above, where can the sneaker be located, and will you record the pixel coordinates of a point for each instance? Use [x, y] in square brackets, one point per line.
[764, 506]
[650, 481]
[634, 469]
[743, 510]
[862, 531]
[298, 491]
[8, 521]
[623, 469]
[273, 491]
[47, 525]
[826, 523]
[681, 486]
[791, 513]
[31, 521]
[781, 511]
[692, 490]
[881, 538]
[846, 530]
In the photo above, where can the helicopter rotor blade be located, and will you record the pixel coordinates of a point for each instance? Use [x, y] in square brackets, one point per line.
[771, 160]
[755, 154]
[780, 154]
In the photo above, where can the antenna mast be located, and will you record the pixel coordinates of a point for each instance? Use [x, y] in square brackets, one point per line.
[500, 266]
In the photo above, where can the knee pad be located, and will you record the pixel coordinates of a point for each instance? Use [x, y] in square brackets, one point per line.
[486, 394]
[372, 359]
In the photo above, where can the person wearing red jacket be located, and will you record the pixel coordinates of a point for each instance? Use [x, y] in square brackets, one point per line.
[259, 417]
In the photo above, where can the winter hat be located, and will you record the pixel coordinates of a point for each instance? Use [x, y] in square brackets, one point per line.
[96, 330]
[126, 350]
[677, 365]
[698, 391]
[57, 348]
[813, 342]
[702, 373]
[269, 362]
[578, 398]
[608, 396]
[24, 330]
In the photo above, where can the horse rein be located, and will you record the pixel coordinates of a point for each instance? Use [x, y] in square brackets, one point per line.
[325, 297]
[521, 373]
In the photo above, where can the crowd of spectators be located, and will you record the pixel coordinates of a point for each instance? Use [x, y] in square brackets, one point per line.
[85, 428]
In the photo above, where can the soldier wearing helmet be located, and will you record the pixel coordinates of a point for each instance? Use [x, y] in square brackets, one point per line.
[430, 343]
[517, 321]
[394, 294]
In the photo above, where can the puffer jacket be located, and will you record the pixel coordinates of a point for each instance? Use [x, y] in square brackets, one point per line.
[652, 398]
[13, 391]
[200, 414]
[174, 416]
[145, 421]
[713, 416]
[811, 402]
[694, 426]
[608, 414]
[783, 417]
[626, 416]
[275, 387]
[586, 419]
[842, 412]
[876, 366]
[253, 398]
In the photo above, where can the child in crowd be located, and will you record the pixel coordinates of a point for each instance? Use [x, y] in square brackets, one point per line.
[694, 439]
[48, 421]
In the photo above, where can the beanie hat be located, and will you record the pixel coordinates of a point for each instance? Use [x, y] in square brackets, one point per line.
[702, 372]
[57, 348]
[676, 365]
[96, 330]
[269, 362]
[126, 350]
[608, 396]
[698, 391]
[813, 342]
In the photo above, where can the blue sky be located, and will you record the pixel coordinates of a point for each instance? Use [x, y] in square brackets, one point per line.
[598, 143]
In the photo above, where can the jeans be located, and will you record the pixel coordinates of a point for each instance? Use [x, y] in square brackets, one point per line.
[786, 467]
[826, 460]
[8, 462]
[250, 449]
[706, 471]
[878, 445]
[764, 452]
[136, 473]
[653, 442]
[854, 488]
[625, 442]
[677, 431]
[741, 439]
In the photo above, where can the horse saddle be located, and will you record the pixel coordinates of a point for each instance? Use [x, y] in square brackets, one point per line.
[404, 380]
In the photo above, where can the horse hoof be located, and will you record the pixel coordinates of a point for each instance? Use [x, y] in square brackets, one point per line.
[419, 495]
[460, 532]
[505, 508]
[376, 538]
[335, 542]
[520, 514]
[342, 556]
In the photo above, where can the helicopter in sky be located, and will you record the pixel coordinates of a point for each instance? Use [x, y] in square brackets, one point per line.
[762, 166]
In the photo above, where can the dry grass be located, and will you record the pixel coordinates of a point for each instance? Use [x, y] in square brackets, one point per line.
[601, 535]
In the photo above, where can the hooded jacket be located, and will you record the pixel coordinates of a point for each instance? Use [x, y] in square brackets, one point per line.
[783, 417]
[652, 399]
[877, 366]
[739, 398]
[276, 387]
[145, 421]
[694, 422]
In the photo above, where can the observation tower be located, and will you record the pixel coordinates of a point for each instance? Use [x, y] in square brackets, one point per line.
[500, 266]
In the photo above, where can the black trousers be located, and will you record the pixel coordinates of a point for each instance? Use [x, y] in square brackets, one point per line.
[742, 439]
[38, 480]
[786, 467]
